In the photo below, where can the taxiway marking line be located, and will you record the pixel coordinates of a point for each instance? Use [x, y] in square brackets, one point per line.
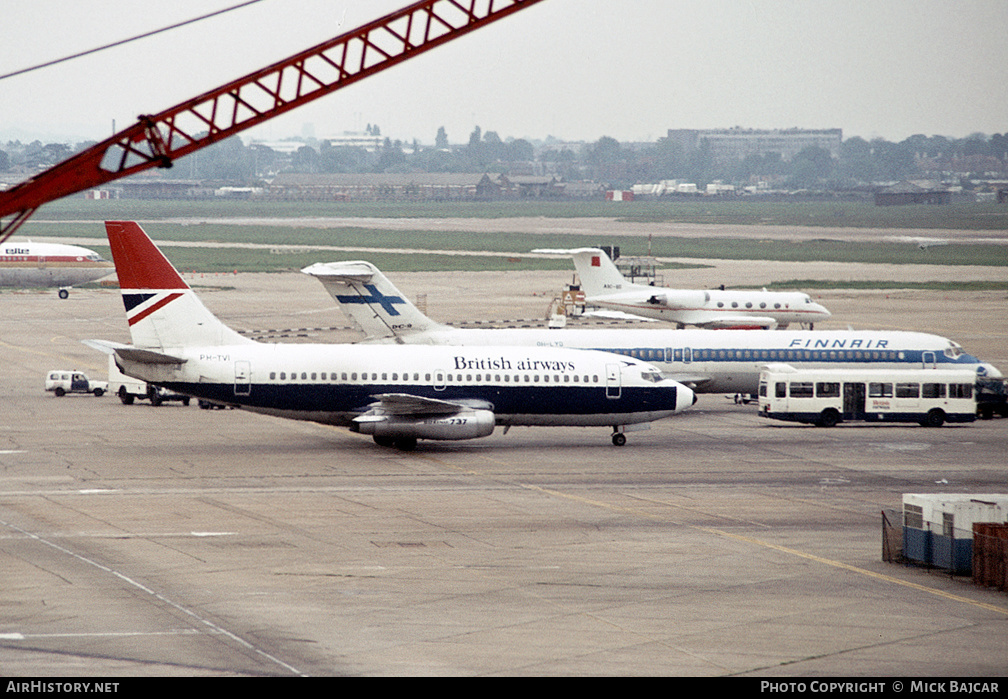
[740, 537]
[201, 621]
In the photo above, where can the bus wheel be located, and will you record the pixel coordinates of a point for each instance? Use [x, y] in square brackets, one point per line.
[934, 418]
[828, 418]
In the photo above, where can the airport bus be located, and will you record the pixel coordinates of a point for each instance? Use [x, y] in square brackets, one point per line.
[826, 397]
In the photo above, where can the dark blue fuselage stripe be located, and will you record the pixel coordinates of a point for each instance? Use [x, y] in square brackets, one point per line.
[507, 400]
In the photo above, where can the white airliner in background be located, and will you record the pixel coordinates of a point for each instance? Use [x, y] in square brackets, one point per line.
[396, 394]
[31, 264]
[605, 286]
[709, 361]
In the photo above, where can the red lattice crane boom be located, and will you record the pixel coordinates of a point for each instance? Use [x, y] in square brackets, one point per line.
[159, 139]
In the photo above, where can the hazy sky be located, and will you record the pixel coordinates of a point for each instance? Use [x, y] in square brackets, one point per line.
[573, 69]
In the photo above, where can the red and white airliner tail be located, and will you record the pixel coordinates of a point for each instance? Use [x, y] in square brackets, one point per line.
[162, 311]
[139, 264]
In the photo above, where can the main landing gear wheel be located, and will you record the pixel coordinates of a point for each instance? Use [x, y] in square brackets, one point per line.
[619, 439]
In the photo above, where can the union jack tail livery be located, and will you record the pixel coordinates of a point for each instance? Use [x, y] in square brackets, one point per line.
[162, 311]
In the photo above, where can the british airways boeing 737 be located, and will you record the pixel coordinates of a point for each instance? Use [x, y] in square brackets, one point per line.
[709, 361]
[396, 394]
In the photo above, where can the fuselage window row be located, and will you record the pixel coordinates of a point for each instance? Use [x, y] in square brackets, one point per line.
[439, 378]
[677, 355]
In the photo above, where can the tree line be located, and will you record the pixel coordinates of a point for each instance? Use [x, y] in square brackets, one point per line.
[606, 161]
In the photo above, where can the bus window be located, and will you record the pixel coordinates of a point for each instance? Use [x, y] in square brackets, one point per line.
[801, 389]
[879, 390]
[933, 390]
[908, 390]
[829, 389]
[960, 390]
[781, 389]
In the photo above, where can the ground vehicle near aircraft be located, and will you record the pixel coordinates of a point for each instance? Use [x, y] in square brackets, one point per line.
[991, 398]
[33, 264]
[605, 286]
[129, 389]
[708, 361]
[826, 397]
[62, 382]
[396, 394]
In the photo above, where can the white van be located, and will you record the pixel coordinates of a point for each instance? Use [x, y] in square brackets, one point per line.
[64, 381]
[129, 389]
[826, 397]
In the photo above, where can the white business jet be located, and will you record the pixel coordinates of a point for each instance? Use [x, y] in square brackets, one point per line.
[605, 286]
[396, 394]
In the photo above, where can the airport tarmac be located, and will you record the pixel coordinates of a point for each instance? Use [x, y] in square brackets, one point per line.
[137, 540]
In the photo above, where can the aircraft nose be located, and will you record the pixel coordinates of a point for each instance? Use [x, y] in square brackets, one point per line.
[685, 398]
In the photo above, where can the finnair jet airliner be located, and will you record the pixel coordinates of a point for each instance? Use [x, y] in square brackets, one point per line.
[396, 394]
[708, 361]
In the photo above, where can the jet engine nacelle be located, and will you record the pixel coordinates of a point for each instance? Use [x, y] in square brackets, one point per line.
[468, 424]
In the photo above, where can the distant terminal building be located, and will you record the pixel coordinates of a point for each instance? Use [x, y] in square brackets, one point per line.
[732, 145]
[355, 139]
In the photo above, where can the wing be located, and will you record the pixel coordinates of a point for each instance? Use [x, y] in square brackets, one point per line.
[691, 380]
[736, 323]
[408, 405]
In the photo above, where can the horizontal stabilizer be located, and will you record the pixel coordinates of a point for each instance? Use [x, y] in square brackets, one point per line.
[145, 356]
[104, 346]
[133, 354]
[563, 251]
[341, 271]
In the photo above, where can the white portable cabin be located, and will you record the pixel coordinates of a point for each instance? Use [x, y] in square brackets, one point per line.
[938, 527]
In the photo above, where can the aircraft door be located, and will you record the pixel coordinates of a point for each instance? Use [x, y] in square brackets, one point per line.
[612, 384]
[242, 378]
[854, 401]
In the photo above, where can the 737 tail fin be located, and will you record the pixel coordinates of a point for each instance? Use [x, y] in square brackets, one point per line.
[370, 300]
[161, 309]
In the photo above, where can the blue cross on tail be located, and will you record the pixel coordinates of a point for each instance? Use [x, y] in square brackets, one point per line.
[376, 297]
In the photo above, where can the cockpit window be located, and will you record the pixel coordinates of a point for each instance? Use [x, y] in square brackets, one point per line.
[652, 375]
[953, 350]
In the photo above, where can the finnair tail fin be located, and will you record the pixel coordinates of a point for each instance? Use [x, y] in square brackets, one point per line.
[161, 309]
[599, 275]
[370, 300]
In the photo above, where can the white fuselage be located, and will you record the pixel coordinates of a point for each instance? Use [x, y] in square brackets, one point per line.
[729, 361]
[30, 264]
[334, 383]
[737, 309]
